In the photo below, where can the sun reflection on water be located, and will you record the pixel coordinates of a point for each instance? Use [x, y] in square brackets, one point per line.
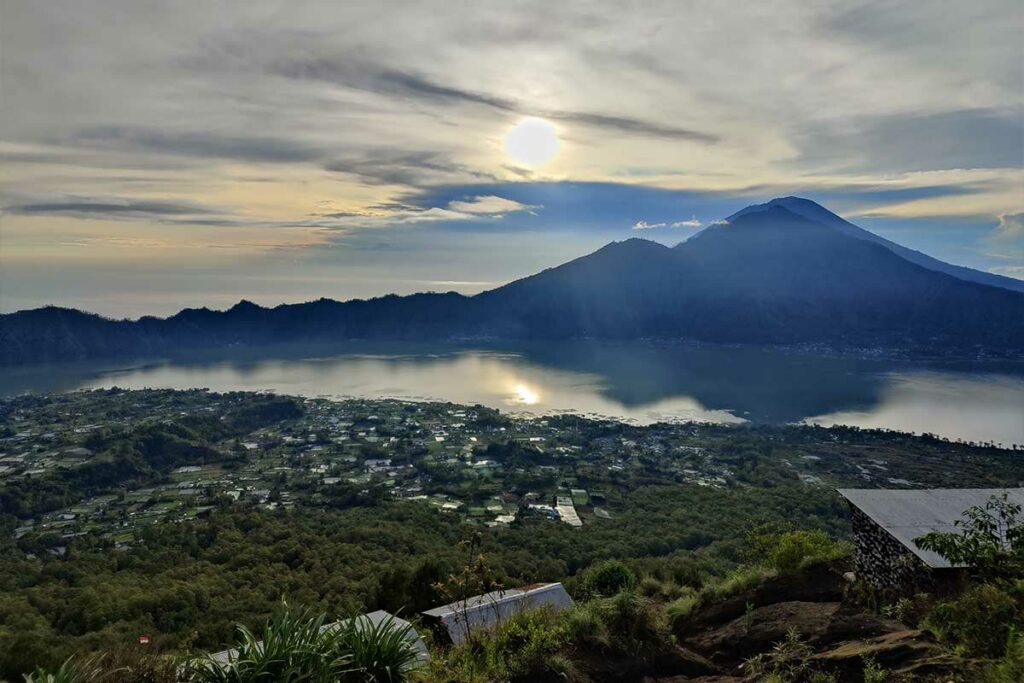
[525, 395]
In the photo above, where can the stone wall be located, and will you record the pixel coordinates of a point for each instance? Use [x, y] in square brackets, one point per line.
[883, 562]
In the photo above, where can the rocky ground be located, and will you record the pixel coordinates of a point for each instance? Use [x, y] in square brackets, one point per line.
[836, 637]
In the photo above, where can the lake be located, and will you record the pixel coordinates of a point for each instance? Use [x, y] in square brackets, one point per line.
[636, 382]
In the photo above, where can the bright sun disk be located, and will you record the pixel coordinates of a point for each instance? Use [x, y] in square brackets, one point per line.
[532, 141]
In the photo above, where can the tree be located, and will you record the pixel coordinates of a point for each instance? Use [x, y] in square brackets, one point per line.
[990, 540]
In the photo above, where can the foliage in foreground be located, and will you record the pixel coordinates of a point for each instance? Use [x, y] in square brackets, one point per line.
[297, 645]
[769, 554]
[983, 619]
[990, 540]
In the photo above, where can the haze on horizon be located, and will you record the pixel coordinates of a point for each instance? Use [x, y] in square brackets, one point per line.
[161, 155]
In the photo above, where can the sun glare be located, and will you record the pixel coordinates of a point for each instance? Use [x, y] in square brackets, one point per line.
[532, 142]
[526, 395]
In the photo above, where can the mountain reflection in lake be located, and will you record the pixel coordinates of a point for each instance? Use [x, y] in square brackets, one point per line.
[631, 381]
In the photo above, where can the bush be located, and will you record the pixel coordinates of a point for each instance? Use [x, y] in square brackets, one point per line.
[634, 624]
[978, 622]
[71, 671]
[1009, 669]
[738, 581]
[377, 653]
[792, 551]
[665, 591]
[293, 646]
[606, 579]
[679, 610]
[526, 645]
[298, 646]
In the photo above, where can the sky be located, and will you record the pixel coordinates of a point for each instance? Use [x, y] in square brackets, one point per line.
[156, 156]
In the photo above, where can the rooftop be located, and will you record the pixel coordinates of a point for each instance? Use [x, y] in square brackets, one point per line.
[485, 611]
[912, 513]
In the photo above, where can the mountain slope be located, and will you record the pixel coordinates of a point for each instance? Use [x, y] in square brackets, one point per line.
[785, 272]
[766, 276]
[816, 212]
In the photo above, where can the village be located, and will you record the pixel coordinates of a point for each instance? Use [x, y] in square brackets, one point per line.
[488, 469]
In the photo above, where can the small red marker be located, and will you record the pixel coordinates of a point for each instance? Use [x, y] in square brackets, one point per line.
[144, 640]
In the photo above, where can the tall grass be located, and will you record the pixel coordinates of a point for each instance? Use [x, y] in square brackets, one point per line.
[294, 646]
[378, 653]
[298, 647]
[71, 671]
[527, 645]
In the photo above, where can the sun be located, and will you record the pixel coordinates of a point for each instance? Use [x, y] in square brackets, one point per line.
[532, 142]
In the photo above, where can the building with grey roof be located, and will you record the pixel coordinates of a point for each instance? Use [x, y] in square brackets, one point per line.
[886, 522]
[457, 620]
[225, 657]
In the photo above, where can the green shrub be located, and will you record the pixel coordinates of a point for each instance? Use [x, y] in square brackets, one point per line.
[978, 622]
[634, 623]
[874, 672]
[606, 579]
[788, 660]
[293, 646]
[737, 581]
[585, 626]
[528, 644]
[297, 645]
[990, 539]
[679, 610]
[377, 653]
[1010, 668]
[794, 550]
[661, 590]
[71, 671]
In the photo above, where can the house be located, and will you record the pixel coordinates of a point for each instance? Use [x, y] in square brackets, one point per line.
[886, 522]
[456, 620]
[371, 619]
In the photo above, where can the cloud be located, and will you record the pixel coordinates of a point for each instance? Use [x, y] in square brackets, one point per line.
[400, 167]
[205, 144]
[689, 223]
[1011, 226]
[118, 208]
[490, 204]
[1009, 271]
[467, 209]
[975, 138]
[644, 225]
[412, 85]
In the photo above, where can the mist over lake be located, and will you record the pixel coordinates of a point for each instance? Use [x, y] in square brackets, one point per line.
[635, 382]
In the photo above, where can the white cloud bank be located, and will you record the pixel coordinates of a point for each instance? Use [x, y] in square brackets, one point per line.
[691, 223]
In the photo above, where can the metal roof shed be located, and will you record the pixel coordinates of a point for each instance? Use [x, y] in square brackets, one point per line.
[912, 513]
[483, 612]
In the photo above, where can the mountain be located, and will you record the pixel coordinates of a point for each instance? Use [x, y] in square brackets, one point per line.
[763, 276]
[785, 272]
[816, 212]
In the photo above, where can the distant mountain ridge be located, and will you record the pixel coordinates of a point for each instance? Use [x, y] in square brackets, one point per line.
[785, 272]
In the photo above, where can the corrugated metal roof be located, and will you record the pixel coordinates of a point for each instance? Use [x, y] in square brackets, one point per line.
[912, 513]
[372, 618]
[486, 611]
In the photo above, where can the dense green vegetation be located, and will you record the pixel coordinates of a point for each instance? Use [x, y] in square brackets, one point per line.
[188, 584]
[699, 515]
[620, 623]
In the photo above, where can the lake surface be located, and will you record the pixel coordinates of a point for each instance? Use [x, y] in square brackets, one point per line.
[634, 382]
